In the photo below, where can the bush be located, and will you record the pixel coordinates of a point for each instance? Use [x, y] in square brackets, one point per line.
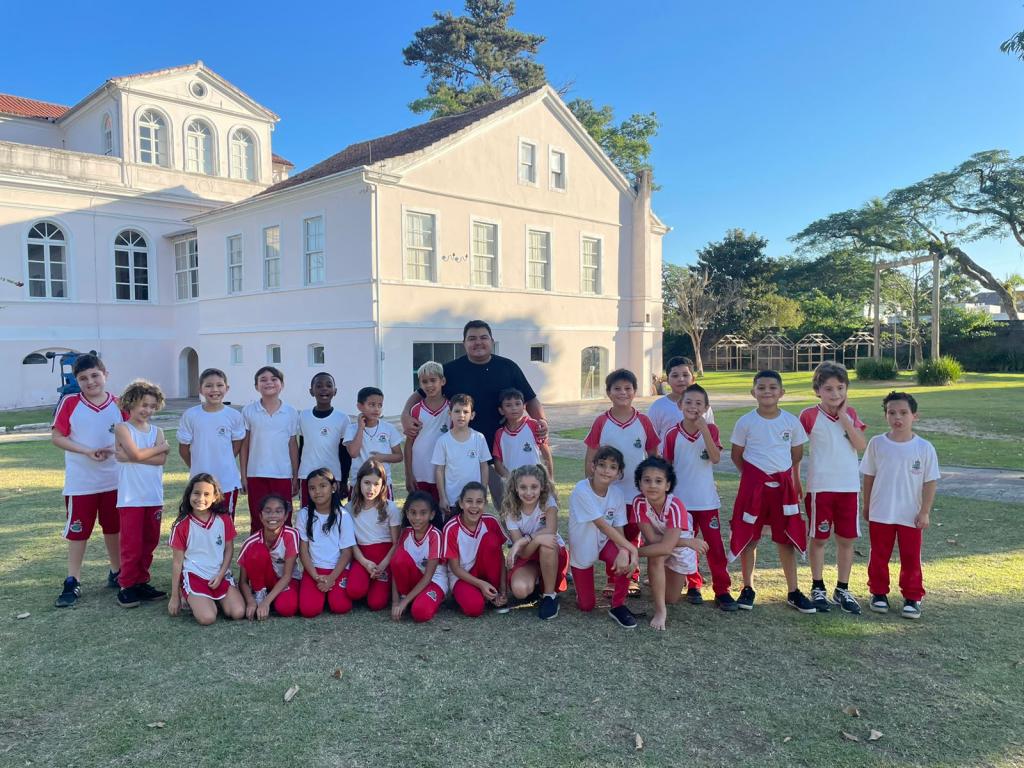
[945, 370]
[870, 369]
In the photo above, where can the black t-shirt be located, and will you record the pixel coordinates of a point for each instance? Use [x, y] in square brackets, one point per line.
[484, 383]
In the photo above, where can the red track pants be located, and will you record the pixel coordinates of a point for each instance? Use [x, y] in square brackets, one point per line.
[407, 575]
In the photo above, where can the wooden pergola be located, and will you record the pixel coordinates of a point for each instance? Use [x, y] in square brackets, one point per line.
[936, 296]
[730, 353]
[859, 346]
[774, 351]
[812, 350]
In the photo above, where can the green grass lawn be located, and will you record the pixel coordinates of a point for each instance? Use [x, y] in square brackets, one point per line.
[25, 416]
[976, 423]
[765, 688]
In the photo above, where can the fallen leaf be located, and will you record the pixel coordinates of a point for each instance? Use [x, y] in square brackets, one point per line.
[24, 615]
[938, 525]
[851, 710]
[849, 736]
[639, 741]
[954, 542]
[337, 673]
[290, 693]
[157, 724]
[787, 739]
[875, 735]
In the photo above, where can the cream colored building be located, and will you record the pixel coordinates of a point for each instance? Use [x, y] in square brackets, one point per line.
[364, 265]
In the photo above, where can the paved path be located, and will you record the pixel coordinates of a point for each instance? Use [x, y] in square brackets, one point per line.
[966, 482]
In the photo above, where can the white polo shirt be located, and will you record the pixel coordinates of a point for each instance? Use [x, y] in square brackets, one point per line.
[900, 471]
[325, 546]
[635, 438]
[767, 442]
[430, 547]
[530, 524]
[211, 435]
[832, 464]
[695, 476]
[269, 435]
[321, 441]
[518, 447]
[368, 529]
[665, 414]
[202, 543]
[464, 544]
[461, 460]
[435, 424]
[92, 426]
[585, 506]
[379, 439]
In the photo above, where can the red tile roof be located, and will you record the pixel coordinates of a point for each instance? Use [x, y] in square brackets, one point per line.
[22, 107]
[397, 144]
[281, 161]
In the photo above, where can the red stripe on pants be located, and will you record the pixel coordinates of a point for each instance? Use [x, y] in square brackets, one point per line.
[583, 579]
[311, 599]
[407, 575]
[376, 591]
[717, 561]
[140, 535]
[883, 537]
[488, 568]
[258, 488]
[259, 570]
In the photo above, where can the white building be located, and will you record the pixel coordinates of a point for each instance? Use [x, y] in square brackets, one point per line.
[152, 222]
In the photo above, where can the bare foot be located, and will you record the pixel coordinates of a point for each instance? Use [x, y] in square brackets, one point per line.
[658, 622]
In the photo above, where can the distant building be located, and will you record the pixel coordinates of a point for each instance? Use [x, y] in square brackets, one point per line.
[152, 222]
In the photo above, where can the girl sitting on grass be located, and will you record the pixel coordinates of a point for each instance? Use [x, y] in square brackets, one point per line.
[419, 577]
[268, 564]
[472, 546]
[202, 539]
[325, 547]
[538, 557]
[377, 522]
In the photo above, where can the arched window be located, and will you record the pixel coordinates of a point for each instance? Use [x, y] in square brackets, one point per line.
[34, 359]
[243, 155]
[199, 148]
[47, 262]
[593, 369]
[108, 135]
[131, 267]
[152, 138]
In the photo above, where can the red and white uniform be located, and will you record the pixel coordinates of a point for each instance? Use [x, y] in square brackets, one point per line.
[321, 441]
[92, 426]
[461, 543]
[382, 438]
[832, 481]
[435, 424]
[695, 477]
[368, 529]
[140, 485]
[211, 435]
[518, 447]
[203, 544]
[635, 437]
[269, 435]
[325, 546]
[585, 506]
[140, 502]
[532, 523]
[767, 442]
[674, 515]
[461, 460]
[664, 414]
[430, 547]
[287, 545]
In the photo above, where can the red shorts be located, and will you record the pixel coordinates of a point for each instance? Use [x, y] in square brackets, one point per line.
[430, 488]
[82, 510]
[772, 515]
[194, 584]
[827, 510]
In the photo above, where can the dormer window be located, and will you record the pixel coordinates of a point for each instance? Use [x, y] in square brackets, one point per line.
[152, 138]
[243, 155]
[199, 148]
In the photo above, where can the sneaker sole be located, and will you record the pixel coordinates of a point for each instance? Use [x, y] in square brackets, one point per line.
[616, 620]
[58, 604]
[852, 611]
[912, 616]
[744, 606]
[879, 609]
[152, 599]
[727, 607]
[822, 609]
[136, 604]
[812, 609]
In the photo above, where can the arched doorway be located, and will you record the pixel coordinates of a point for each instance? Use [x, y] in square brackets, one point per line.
[593, 369]
[188, 373]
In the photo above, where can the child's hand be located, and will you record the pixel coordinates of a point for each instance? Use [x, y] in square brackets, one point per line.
[410, 486]
[699, 546]
[101, 454]
[244, 487]
[489, 591]
[215, 581]
[295, 486]
[250, 610]
[443, 504]
[542, 429]
[174, 605]
[923, 519]
[513, 553]
[372, 568]
[622, 560]
[323, 584]
[398, 609]
[361, 420]
[701, 423]
[263, 611]
[864, 513]
[500, 600]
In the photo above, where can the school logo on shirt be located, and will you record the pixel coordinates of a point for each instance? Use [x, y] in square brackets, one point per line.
[382, 438]
[157, 514]
[786, 436]
[472, 454]
[713, 523]
[220, 540]
[527, 448]
[444, 428]
[637, 443]
[704, 455]
[915, 468]
[423, 562]
[323, 431]
[823, 526]
[111, 430]
[76, 527]
[221, 431]
[432, 594]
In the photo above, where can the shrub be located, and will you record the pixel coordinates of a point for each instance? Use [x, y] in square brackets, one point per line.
[870, 369]
[945, 370]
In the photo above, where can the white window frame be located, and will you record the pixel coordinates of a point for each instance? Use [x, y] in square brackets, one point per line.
[551, 259]
[536, 161]
[307, 253]
[432, 277]
[132, 283]
[107, 134]
[268, 259]
[237, 355]
[496, 263]
[552, 151]
[249, 169]
[584, 236]
[161, 155]
[206, 157]
[311, 355]
[191, 271]
[235, 263]
[274, 354]
[543, 353]
[47, 243]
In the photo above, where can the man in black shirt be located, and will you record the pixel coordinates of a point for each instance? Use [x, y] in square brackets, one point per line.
[482, 375]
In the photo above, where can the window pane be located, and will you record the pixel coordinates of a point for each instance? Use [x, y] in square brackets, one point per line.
[57, 253]
[419, 255]
[35, 252]
[142, 292]
[123, 293]
[56, 271]
[57, 289]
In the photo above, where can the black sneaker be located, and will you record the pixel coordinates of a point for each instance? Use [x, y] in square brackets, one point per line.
[694, 597]
[911, 609]
[846, 601]
[725, 602]
[128, 598]
[799, 600]
[880, 603]
[112, 582]
[623, 617]
[820, 599]
[147, 592]
[70, 594]
[746, 599]
[548, 607]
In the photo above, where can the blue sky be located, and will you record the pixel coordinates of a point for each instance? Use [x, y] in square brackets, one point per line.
[773, 114]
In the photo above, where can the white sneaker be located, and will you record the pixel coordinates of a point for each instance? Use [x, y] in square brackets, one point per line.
[912, 609]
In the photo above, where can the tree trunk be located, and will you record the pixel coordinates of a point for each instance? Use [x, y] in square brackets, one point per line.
[698, 363]
[975, 271]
